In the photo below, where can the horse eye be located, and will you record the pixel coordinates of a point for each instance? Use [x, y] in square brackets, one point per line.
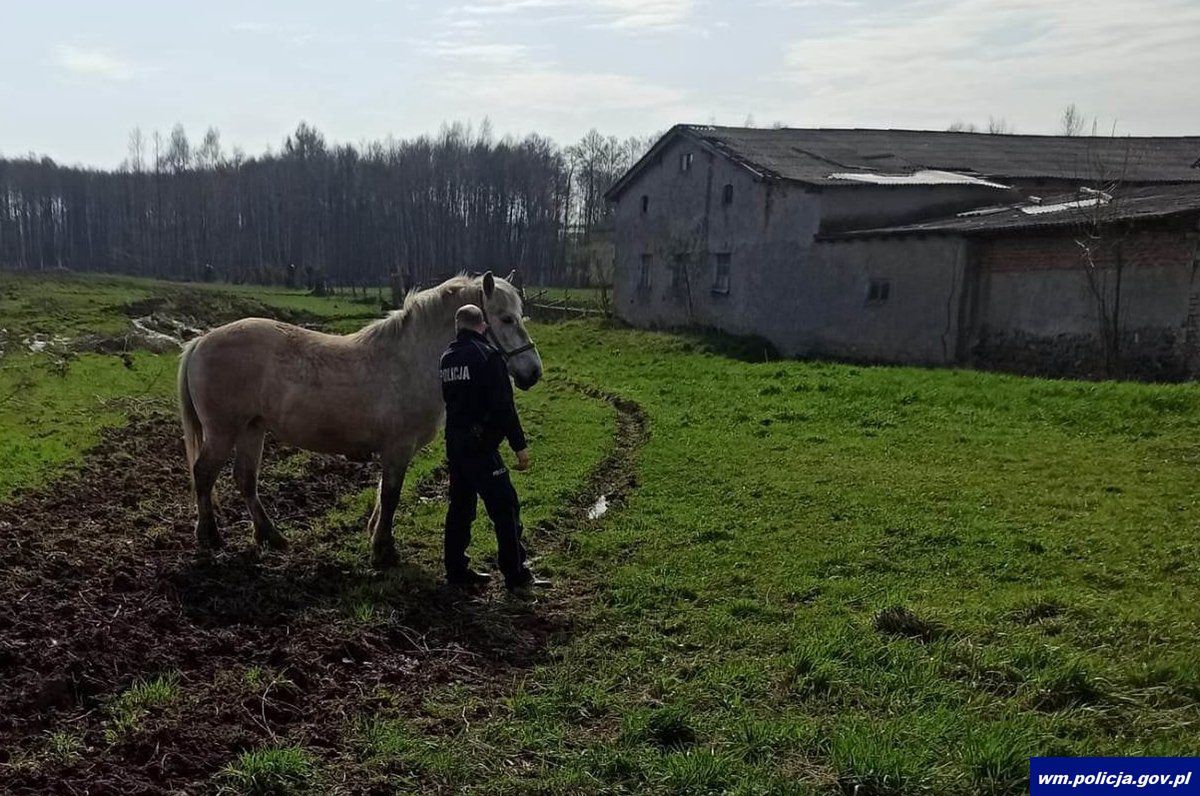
[508, 319]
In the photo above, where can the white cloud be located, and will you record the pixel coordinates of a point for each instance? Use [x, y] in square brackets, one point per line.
[475, 71]
[297, 34]
[92, 62]
[1022, 59]
[831, 5]
[555, 90]
[625, 14]
[646, 14]
[490, 7]
[481, 53]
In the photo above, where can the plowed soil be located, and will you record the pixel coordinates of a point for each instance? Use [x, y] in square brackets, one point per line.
[101, 587]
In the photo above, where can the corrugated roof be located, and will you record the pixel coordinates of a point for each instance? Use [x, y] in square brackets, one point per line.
[918, 177]
[812, 155]
[1159, 201]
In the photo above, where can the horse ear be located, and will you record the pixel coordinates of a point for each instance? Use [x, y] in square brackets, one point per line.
[489, 284]
[512, 277]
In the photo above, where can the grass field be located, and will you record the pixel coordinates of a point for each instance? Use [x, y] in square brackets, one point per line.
[828, 577]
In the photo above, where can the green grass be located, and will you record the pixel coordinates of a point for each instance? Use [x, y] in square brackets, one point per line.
[407, 755]
[342, 306]
[59, 747]
[830, 577]
[67, 304]
[128, 710]
[269, 772]
[898, 579]
[54, 405]
[51, 411]
[64, 746]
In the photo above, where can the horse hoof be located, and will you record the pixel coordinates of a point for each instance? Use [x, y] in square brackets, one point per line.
[384, 559]
[208, 542]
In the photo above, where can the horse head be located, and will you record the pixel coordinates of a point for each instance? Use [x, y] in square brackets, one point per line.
[502, 307]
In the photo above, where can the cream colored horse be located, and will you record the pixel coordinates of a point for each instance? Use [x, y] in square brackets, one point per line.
[372, 393]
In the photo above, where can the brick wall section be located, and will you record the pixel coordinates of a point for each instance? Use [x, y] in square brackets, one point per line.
[1039, 317]
[1039, 251]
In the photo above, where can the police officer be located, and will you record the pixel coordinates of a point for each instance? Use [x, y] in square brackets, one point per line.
[479, 415]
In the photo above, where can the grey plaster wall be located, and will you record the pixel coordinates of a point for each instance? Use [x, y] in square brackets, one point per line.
[1059, 301]
[918, 323]
[766, 231]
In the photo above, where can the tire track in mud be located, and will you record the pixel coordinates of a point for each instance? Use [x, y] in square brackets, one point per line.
[615, 476]
[100, 587]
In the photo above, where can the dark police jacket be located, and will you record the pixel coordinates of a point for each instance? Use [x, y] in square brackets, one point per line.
[479, 398]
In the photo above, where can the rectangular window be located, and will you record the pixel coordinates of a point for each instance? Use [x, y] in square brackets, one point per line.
[644, 273]
[721, 274]
[645, 203]
[878, 291]
[685, 161]
[727, 194]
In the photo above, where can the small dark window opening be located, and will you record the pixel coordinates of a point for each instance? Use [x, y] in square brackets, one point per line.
[721, 274]
[644, 273]
[878, 291]
[685, 161]
[727, 194]
[645, 203]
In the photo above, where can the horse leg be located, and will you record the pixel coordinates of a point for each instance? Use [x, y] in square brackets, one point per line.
[245, 471]
[383, 547]
[214, 452]
[371, 523]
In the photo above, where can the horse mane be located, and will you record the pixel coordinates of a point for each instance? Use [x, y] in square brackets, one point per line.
[419, 308]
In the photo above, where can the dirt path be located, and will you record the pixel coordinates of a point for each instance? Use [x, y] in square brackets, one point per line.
[100, 587]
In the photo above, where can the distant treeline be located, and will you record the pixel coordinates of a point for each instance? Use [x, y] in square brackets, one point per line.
[424, 208]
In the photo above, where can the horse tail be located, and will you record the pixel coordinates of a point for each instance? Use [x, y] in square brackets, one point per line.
[193, 431]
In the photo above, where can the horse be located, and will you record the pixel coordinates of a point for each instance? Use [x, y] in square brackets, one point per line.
[373, 393]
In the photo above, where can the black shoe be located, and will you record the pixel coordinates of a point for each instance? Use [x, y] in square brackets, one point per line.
[525, 583]
[469, 578]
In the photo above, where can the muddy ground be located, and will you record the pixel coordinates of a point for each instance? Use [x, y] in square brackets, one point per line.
[100, 587]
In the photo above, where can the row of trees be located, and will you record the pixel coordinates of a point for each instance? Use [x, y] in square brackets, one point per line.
[1071, 122]
[423, 207]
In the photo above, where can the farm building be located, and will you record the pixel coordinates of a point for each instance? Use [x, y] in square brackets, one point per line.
[920, 247]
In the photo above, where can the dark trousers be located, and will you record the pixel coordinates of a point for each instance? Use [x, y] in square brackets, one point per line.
[483, 475]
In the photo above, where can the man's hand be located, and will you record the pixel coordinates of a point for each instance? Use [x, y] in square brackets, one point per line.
[523, 459]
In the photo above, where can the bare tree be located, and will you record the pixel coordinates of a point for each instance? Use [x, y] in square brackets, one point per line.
[209, 155]
[159, 154]
[341, 214]
[137, 151]
[1100, 236]
[998, 125]
[1100, 249]
[1072, 122]
[179, 153]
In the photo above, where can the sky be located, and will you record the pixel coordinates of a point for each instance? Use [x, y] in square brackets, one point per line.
[76, 76]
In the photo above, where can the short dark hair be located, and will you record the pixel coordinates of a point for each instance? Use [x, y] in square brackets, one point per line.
[468, 317]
